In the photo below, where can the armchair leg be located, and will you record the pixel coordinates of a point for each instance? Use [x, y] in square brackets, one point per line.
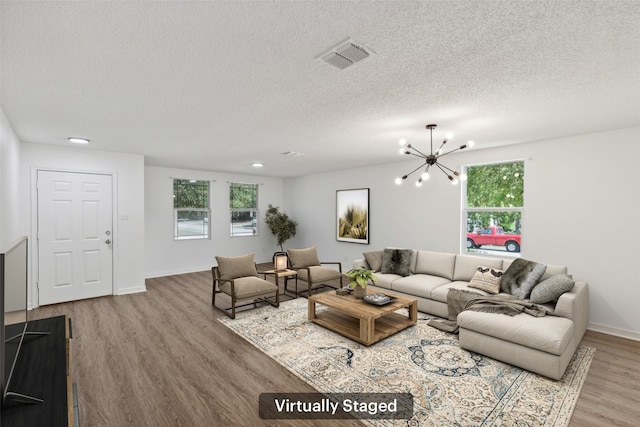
[233, 307]
[213, 296]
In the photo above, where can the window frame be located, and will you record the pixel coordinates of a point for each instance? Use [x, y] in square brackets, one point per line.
[206, 235]
[466, 210]
[253, 212]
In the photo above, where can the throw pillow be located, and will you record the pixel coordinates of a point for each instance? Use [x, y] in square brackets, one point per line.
[550, 289]
[301, 258]
[521, 276]
[396, 261]
[374, 260]
[233, 267]
[487, 279]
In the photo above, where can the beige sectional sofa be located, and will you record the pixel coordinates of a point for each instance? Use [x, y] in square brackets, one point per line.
[543, 345]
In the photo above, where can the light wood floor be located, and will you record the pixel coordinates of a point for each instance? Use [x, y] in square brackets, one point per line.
[161, 358]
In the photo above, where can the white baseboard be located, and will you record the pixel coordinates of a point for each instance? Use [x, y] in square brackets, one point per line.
[623, 333]
[176, 272]
[127, 291]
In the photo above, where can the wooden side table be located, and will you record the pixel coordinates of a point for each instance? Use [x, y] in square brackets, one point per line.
[287, 274]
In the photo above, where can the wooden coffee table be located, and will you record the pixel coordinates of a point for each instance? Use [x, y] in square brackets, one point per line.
[360, 321]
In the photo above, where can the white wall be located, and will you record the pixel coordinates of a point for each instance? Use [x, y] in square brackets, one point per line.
[10, 228]
[580, 192]
[166, 256]
[581, 210]
[128, 172]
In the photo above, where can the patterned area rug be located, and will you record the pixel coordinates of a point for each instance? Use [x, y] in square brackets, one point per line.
[451, 386]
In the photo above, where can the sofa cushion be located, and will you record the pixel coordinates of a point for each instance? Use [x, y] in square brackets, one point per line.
[232, 267]
[466, 266]
[550, 289]
[551, 334]
[521, 276]
[316, 273]
[435, 264]
[301, 258]
[487, 279]
[249, 287]
[386, 280]
[374, 260]
[420, 285]
[396, 261]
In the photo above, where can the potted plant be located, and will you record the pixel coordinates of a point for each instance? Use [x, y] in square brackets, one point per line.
[281, 226]
[359, 279]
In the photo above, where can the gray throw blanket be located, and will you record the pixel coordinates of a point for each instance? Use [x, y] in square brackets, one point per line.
[460, 299]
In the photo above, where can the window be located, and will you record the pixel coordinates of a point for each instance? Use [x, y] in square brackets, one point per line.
[494, 201]
[243, 202]
[190, 209]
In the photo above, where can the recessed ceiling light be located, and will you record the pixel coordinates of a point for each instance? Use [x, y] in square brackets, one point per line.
[79, 140]
[257, 164]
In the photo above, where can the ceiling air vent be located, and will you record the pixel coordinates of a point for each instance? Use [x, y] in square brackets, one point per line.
[292, 154]
[346, 54]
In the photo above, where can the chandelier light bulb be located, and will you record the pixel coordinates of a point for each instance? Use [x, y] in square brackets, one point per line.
[403, 150]
[449, 135]
[398, 180]
[463, 177]
[419, 182]
[424, 176]
[470, 144]
[402, 142]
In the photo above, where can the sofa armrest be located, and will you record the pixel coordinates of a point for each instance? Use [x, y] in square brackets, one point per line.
[574, 305]
[360, 263]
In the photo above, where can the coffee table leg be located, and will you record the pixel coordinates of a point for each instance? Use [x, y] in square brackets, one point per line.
[367, 329]
[312, 310]
[413, 312]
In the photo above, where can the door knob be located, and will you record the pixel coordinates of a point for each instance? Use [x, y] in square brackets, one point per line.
[108, 241]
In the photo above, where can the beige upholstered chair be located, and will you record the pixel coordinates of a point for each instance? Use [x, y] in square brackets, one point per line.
[311, 270]
[237, 277]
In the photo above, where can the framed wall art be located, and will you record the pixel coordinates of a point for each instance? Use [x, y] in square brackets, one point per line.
[352, 215]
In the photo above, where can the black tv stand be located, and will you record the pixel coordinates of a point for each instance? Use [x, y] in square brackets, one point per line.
[26, 334]
[42, 370]
[11, 396]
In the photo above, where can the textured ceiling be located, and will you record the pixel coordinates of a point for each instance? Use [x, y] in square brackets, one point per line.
[218, 85]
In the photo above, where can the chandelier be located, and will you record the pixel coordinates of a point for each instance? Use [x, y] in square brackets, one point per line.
[432, 159]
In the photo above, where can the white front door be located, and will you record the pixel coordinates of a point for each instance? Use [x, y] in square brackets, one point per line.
[75, 236]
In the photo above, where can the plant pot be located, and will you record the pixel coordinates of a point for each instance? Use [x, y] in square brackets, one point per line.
[359, 292]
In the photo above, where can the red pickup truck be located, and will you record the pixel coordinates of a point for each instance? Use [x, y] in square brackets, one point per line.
[494, 236]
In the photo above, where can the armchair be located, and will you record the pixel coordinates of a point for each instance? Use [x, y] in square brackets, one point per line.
[311, 270]
[238, 278]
